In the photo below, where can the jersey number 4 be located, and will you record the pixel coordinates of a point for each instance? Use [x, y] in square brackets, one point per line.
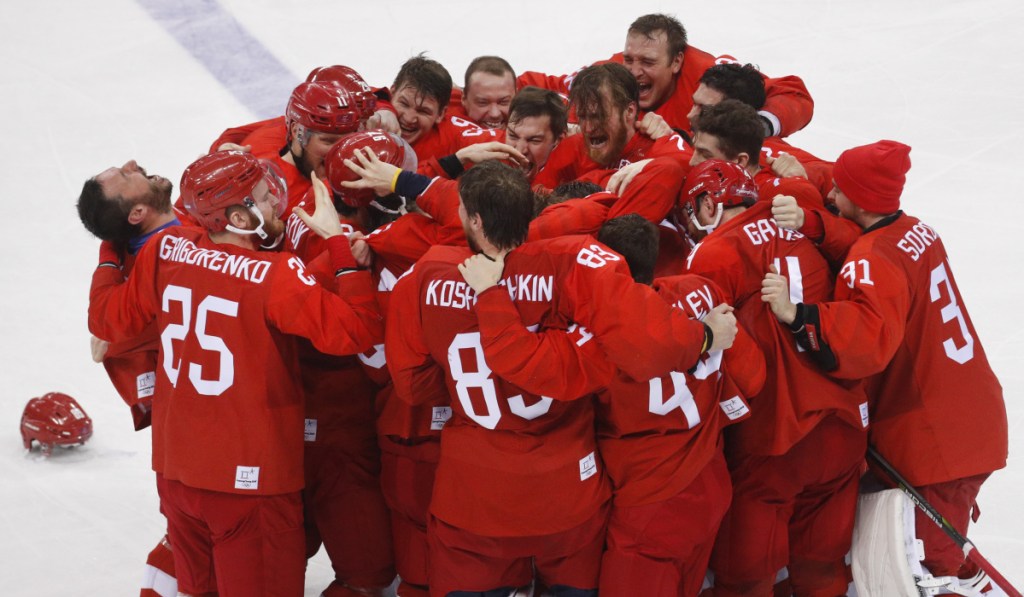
[179, 331]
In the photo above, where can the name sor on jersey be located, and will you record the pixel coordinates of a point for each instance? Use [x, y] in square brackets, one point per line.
[181, 250]
[764, 230]
[460, 295]
[917, 240]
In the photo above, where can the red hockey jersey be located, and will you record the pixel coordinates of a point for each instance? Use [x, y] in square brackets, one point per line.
[501, 436]
[228, 414]
[655, 436]
[797, 394]
[899, 319]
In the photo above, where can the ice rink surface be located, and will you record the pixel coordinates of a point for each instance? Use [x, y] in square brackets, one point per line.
[88, 85]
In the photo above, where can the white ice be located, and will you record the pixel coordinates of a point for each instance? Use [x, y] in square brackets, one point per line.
[87, 85]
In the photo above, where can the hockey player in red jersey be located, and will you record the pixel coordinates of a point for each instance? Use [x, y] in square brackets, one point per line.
[730, 131]
[227, 445]
[605, 99]
[344, 507]
[661, 441]
[552, 513]
[127, 206]
[662, 453]
[668, 70]
[420, 94]
[489, 86]
[271, 134]
[896, 287]
[537, 123]
[790, 506]
[331, 103]
[745, 83]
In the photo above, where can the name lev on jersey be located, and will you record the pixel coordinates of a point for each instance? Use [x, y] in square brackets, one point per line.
[181, 250]
[460, 295]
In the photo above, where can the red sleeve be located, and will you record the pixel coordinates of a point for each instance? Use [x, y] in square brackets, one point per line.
[872, 300]
[832, 234]
[417, 378]
[653, 192]
[470, 136]
[401, 243]
[557, 83]
[790, 102]
[238, 134]
[806, 194]
[440, 201]
[120, 310]
[575, 216]
[335, 325]
[638, 331]
[527, 358]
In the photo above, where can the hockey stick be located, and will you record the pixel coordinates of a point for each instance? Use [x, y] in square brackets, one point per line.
[970, 551]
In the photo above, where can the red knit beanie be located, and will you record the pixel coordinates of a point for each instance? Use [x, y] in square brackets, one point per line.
[872, 176]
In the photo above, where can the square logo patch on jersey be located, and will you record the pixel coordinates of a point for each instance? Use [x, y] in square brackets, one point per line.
[588, 466]
[310, 432]
[734, 408]
[439, 417]
[247, 477]
[145, 384]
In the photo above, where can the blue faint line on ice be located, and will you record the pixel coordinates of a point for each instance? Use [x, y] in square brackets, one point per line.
[247, 69]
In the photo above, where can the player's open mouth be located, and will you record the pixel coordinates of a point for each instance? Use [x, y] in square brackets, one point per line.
[493, 124]
[597, 141]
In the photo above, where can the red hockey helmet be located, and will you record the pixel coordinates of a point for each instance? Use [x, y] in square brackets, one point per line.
[727, 184]
[349, 80]
[324, 108]
[54, 419]
[221, 179]
[388, 148]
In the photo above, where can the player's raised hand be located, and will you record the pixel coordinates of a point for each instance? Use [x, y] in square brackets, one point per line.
[723, 326]
[786, 166]
[373, 173]
[775, 292]
[324, 221]
[482, 272]
[491, 150]
[361, 249]
[384, 120]
[623, 176]
[787, 213]
[654, 126]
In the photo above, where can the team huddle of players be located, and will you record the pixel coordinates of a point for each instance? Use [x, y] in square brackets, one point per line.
[604, 332]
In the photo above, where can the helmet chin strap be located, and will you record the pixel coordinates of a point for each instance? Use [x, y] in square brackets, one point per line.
[258, 231]
[398, 211]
